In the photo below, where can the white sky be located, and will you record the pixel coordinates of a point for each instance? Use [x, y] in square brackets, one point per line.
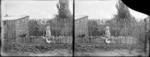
[35, 9]
[97, 9]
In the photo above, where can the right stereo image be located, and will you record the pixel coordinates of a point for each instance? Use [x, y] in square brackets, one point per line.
[110, 28]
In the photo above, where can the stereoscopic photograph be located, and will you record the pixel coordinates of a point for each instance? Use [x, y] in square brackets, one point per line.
[110, 28]
[73, 28]
[37, 28]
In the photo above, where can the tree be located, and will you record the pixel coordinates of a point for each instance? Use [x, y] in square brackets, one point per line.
[123, 11]
[63, 9]
[33, 27]
[62, 23]
[93, 28]
[123, 21]
[123, 17]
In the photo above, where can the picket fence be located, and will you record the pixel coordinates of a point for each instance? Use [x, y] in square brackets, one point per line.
[40, 40]
[90, 39]
[113, 40]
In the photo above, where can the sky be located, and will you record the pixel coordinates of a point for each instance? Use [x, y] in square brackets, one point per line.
[35, 9]
[95, 9]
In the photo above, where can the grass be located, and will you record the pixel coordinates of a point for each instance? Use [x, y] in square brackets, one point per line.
[105, 50]
[90, 47]
[33, 47]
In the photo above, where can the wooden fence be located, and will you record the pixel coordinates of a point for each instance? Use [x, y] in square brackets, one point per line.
[40, 40]
[91, 39]
[99, 42]
[63, 39]
[113, 40]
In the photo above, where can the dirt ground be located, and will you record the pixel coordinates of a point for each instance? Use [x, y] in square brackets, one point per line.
[60, 52]
[65, 52]
[122, 52]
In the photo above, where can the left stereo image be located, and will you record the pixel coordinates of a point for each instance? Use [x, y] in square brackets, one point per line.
[36, 27]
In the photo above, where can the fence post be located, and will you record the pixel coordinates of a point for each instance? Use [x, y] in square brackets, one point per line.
[145, 32]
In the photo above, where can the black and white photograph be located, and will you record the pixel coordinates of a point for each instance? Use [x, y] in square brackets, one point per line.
[37, 28]
[110, 28]
[73, 28]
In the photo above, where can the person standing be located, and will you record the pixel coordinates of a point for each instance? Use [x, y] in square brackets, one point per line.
[107, 32]
[107, 35]
[48, 32]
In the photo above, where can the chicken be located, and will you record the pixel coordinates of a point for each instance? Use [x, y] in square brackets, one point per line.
[107, 40]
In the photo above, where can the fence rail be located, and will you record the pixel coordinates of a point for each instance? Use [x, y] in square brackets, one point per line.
[113, 40]
[40, 40]
[90, 39]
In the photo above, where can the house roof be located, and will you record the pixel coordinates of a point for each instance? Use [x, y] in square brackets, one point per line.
[13, 17]
[80, 17]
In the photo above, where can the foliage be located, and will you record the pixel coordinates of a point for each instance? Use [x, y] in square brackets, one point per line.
[93, 28]
[33, 27]
[36, 29]
[63, 9]
[123, 11]
[62, 23]
[64, 18]
[60, 27]
[123, 17]
[123, 24]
